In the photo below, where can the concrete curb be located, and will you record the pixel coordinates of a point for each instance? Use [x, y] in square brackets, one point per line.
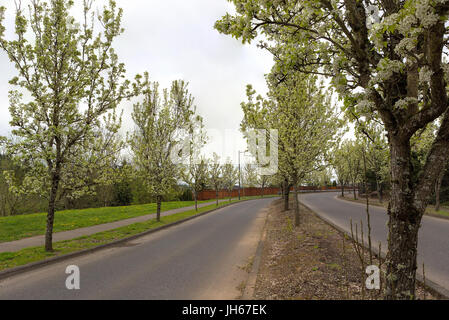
[432, 286]
[39, 264]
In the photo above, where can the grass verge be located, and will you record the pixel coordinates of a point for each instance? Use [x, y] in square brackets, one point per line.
[444, 210]
[34, 254]
[24, 226]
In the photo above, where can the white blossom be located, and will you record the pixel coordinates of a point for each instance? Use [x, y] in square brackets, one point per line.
[404, 103]
[425, 13]
[425, 74]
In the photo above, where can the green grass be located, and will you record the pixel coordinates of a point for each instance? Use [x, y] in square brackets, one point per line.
[444, 208]
[29, 255]
[444, 211]
[24, 226]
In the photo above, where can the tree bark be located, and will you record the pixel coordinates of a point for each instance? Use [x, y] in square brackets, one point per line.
[297, 217]
[408, 203]
[50, 221]
[51, 210]
[196, 200]
[286, 195]
[282, 191]
[438, 191]
[216, 196]
[379, 190]
[55, 176]
[158, 212]
[353, 188]
[343, 190]
[404, 222]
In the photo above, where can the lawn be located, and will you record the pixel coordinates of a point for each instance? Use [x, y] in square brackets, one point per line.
[23, 226]
[444, 211]
[29, 255]
[430, 210]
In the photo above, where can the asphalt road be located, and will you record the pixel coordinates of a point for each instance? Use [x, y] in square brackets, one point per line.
[199, 259]
[433, 246]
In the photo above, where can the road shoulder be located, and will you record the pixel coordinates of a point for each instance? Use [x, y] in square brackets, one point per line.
[312, 261]
[109, 244]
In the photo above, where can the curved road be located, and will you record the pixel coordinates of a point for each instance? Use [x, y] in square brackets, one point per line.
[433, 246]
[198, 259]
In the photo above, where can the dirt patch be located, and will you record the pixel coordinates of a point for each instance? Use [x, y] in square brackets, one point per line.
[312, 261]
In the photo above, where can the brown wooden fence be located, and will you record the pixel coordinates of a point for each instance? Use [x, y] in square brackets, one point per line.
[250, 192]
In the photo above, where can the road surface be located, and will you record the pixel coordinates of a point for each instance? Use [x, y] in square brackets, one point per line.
[199, 259]
[433, 246]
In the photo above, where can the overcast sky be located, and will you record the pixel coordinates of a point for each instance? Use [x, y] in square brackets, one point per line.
[175, 39]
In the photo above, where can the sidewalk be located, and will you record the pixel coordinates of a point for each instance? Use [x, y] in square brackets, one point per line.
[71, 234]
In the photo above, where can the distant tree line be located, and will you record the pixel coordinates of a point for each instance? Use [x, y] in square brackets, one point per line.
[122, 192]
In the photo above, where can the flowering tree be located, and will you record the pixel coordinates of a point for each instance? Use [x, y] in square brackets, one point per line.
[215, 175]
[74, 78]
[306, 123]
[340, 165]
[195, 174]
[194, 167]
[377, 157]
[386, 59]
[248, 175]
[321, 177]
[160, 123]
[230, 176]
[257, 113]
[263, 181]
[353, 151]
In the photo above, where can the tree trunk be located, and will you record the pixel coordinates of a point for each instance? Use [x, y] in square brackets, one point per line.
[381, 193]
[404, 222]
[438, 191]
[379, 190]
[51, 210]
[50, 221]
[402, 253]
[286, 196]
[216, 195]
[353, 188]
[343, 190]
[297, 218]
[196, 200]
[158, 212]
